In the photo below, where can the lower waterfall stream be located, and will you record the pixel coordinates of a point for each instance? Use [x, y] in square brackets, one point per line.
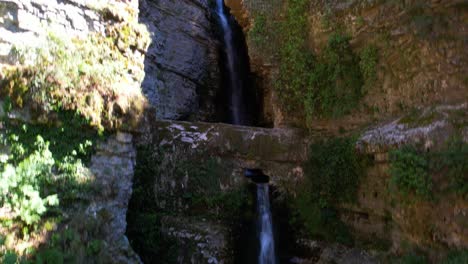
[265, 228]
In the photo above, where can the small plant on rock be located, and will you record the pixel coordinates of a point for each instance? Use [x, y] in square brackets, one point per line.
[410, 172]
[20, 186]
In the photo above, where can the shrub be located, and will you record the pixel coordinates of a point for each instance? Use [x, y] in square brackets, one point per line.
[51, 255]
[295, 60]
[10, 258]
[453, 160]
[334, 169]
[368, 64]
[410, 172]
[411, 259]
[258, 33]
[330, 84]
[82, 75]
[457, 257]
[321, 222]
[70, 145]
[335, 82]
[20, 186]
[333, 173]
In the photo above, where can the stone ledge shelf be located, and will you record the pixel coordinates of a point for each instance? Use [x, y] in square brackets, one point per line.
[249, 143]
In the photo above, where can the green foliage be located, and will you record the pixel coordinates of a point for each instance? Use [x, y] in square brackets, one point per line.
[258, 33]
[44, 164]
[411, 259]
[144, 221]
[295, 60]
[412, 169]
[10, 258]
[453, 160]
[20, 186]
[335, 81]
[368, 64]
[330, 84]
[457, 257]
[410, 172]
[321, 222]
[94, 247]
[82, 75]
[333, 171]
[71, 145]
[50, 256]
[63, 247]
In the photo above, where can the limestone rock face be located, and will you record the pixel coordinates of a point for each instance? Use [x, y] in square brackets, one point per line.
[422, 56]
[182, 61]
[113, 166]
[281, 154]
[23, 22]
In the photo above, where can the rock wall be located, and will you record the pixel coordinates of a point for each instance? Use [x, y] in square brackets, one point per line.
[421, 52]
[101, 215]
[113, 168]
[26, 22]
[277, 152]
[199, 189]
[378, 216]
[182, 71]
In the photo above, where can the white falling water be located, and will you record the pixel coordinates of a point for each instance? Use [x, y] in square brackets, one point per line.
[267, 243]
[235, 86]
[265, 228]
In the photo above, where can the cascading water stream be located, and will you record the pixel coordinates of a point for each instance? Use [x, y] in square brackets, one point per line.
[235, 102]
[267, 243]
[238, 116]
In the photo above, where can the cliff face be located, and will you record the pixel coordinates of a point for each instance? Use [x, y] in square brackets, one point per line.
[70, 70]
[182, 71]
[73, 69]
[194, 173]
[420, 52]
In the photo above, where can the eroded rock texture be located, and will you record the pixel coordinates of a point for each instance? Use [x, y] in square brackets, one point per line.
[181, 65]
[25, 22]
[113, 167]
[421, 52]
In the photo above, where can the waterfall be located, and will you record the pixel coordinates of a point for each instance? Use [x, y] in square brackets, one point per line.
[267, 243]
[238, 116]
[235, 85]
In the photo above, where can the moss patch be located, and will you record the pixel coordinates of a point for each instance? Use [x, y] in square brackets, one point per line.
[97, 76]
[178, 183]
[333, 173]
[413, 170]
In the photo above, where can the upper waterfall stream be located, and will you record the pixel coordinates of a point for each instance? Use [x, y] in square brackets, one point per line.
[236, 111]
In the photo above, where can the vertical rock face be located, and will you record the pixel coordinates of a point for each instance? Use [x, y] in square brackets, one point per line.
[113, 167]
[421, 51]
[181, 65]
